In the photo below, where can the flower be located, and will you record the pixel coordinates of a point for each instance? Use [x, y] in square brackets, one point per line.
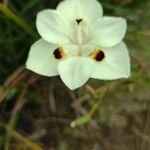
[79, 43]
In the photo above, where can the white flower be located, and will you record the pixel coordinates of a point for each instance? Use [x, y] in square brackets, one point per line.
[78, 43]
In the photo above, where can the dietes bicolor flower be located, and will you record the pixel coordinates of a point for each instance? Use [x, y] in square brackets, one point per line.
[78, 42]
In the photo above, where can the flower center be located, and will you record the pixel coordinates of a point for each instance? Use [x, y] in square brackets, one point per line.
[58, 53]
[97, 54]
[80, 31]
[78, 21]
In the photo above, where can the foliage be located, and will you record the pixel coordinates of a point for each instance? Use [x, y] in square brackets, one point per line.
[36, 112]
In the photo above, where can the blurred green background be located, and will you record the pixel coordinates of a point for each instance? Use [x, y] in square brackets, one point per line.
[36, 111]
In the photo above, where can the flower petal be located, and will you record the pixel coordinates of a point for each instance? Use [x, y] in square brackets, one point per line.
[52, 26]
[41, 59]
[71, 50]
[85, 50]
[88, 10]
[116, 64]
[80, 32]
[75, 71]
[109, 31]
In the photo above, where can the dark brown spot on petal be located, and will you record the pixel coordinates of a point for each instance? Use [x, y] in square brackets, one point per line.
[97, 55]
[58, 53]
[79, 20]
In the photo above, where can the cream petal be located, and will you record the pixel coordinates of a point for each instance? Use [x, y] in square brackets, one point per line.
[80, 32]
[108, 31]
[41, 59]
[88, 10]
[116, 64]
[75, 71]
[53, 27]
[71, 50]
[85, 50]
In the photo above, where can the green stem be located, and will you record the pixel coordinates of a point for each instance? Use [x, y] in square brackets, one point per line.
[27, 142]
[19, 21]
[12, 122]
[87, 117]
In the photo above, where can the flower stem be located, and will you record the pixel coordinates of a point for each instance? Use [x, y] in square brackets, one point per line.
[87, 117]
[19, 21]
[27, 142]
[13, 119]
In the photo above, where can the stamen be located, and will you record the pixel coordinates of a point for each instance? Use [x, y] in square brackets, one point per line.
[78, 21]
[58, 53]
[97, 55]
